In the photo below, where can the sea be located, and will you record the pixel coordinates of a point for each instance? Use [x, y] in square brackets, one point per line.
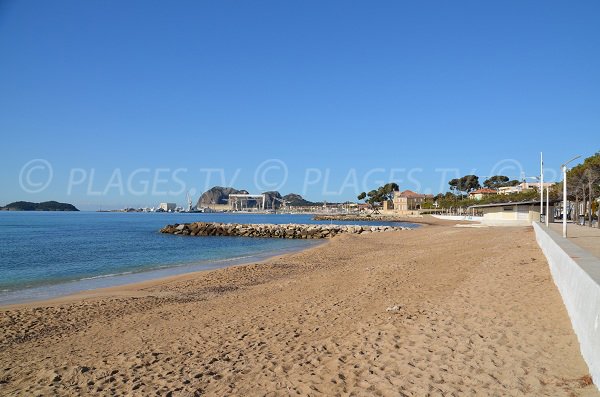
[46, 255]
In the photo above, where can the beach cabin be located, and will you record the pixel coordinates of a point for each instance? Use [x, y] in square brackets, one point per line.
[510, 214]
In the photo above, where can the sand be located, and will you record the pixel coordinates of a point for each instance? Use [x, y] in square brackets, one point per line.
[435, 311]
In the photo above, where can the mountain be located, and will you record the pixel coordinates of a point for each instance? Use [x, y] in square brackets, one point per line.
[273, 199]
[217, 195]
[297, 200]
[45, 206]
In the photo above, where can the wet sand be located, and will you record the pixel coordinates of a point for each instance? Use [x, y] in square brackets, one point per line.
[435, 311]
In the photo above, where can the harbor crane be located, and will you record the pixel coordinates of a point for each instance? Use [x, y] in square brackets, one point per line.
[189, 201]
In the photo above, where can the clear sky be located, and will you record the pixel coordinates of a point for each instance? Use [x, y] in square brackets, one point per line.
[136, 102]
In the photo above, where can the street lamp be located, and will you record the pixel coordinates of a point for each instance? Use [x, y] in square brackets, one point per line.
[548, 207]
[564, 169]
[540, 179]
[542, 185]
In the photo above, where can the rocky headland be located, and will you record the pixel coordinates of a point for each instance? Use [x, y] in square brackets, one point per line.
[45, 206]
[273, 199]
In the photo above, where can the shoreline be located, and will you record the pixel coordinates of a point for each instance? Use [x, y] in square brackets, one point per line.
[134, 288]
[385, 313]
[87, 286]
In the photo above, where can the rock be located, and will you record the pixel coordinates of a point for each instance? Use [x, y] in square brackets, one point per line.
[45, 206]
[394, 308]
[217, 195]
[273, 199]
[297, 200]
[271, 230]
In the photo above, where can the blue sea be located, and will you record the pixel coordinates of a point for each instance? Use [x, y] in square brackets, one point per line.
[50, 254]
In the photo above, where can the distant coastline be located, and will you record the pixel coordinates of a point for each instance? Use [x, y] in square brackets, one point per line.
[44, 206]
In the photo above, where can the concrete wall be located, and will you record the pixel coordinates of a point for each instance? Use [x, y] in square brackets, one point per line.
[505, 222]
[459, 217]
[400, 213]
[576, 273]
[388, 206]
[219, 207]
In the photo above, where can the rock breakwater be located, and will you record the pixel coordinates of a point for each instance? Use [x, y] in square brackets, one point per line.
[300, 231]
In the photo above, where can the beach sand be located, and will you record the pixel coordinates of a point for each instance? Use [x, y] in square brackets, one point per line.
[435, 311]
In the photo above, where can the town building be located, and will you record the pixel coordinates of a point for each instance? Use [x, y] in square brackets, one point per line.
[523, 186]
[481, 193]
[406, 202]
[167, 207]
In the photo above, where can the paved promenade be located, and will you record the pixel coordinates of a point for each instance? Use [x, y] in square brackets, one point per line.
[585, 237]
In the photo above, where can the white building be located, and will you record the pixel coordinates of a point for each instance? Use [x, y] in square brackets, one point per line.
[167, 207]
[523, 186]
[239, 202]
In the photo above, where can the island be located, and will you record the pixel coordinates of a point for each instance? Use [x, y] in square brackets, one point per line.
[45, 206]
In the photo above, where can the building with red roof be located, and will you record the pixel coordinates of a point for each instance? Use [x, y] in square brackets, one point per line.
[481, 193]
[408, 201]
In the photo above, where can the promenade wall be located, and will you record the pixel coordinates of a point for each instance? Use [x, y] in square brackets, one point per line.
[576, 273]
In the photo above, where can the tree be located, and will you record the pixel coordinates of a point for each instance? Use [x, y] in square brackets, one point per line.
[386, 192]
[465, 184]
[583, 182]
[449, 196]
[498, 181]
[495, 181]
[379, 195]
[468, 183]
[454, 185]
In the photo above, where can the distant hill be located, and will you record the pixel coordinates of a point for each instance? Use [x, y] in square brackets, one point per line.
[273, 199]
[217, 195]
[45, 206]
[297, 200]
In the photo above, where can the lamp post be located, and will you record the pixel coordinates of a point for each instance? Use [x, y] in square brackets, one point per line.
[564, 218]
[540, 179]
[542, 184]
[548, 207]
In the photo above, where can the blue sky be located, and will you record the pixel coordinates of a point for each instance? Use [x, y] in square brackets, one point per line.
[121, 97]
